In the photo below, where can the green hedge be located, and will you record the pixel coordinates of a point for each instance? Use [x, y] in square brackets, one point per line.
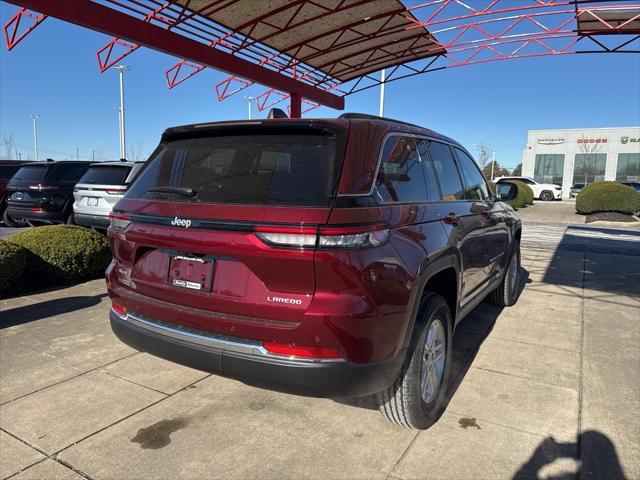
[525, 195]
[12, 261]
[63, 253]
[607, 197]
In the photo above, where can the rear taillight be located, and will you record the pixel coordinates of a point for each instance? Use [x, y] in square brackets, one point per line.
[116, 190]
[118, 222]
[301, 351]
[118, 309]
[43, 186]
[324, 237]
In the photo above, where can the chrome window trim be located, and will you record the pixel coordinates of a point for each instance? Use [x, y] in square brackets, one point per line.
[212, 340]
[382, 144]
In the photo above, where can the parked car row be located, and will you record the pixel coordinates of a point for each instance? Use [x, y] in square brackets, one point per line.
[72, 192]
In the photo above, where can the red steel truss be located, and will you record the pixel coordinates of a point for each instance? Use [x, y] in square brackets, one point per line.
[322, 66]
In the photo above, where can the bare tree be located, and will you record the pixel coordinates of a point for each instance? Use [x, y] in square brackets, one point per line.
[137, 154]
[99, 154]
[589, 167]
[9, 146]
[483, 153]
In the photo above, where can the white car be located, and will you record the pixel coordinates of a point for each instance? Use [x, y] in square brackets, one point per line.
[541, 191]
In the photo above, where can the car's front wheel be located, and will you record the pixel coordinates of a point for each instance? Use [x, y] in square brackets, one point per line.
[417, 397]
[546, 196]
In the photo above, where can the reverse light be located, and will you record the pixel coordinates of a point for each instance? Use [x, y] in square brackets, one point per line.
[325, 237]
[301, 351]
[118, 222]
[301, 237]
[118, 309]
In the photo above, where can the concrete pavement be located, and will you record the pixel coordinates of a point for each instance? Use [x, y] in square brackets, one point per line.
[547, 388]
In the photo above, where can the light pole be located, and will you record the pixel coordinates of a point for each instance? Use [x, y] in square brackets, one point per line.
[383, 74]
[249, 100]
[493, 162]
[35, 118]
[123, 144]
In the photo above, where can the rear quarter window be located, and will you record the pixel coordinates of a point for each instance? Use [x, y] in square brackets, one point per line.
[264, 169]
[400, 176]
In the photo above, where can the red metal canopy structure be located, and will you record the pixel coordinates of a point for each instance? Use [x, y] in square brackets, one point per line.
[315, 52]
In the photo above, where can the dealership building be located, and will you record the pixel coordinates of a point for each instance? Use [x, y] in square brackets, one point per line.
[582, 155]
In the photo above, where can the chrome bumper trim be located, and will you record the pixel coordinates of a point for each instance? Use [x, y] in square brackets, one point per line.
[210, 340]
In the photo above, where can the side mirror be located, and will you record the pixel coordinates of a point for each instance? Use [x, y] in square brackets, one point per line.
[506, 191]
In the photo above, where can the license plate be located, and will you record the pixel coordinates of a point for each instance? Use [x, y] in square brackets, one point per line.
[92, 201]
[193, 273]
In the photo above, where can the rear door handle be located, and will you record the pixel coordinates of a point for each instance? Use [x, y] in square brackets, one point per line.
[451, 219]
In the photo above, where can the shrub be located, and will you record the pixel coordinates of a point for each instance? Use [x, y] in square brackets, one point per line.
[525, 195]
[607, 197]
[12, 260]
[63, 253]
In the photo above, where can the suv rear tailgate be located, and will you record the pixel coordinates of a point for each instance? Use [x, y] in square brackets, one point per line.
[174, 236]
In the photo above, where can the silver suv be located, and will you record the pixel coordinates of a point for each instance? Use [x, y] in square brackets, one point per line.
[99, 189]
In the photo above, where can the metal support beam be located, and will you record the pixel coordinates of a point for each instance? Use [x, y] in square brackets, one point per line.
[103, 19]
[296, 106]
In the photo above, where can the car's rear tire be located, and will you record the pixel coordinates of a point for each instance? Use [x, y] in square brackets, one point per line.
[546, 196]
[417, 397]
[506, 294]
[12, 222]
[70, 219]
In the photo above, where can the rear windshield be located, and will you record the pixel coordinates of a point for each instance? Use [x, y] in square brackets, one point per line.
[106, 175]
[31, 174]
[294, 168]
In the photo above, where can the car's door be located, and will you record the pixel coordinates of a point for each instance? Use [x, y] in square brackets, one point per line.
[461, 217]
[495, 233]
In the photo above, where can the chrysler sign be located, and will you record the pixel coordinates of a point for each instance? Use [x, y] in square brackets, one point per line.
[550, 141]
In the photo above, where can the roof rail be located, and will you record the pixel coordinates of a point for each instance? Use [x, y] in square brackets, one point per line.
[366, 116]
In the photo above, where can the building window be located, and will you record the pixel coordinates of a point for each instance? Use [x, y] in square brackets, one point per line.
[589, 167]
[628, 167]
[549, 168]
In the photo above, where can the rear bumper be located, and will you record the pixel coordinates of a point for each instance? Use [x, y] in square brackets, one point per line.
[247, 361]
[98, 221]
[35, 213]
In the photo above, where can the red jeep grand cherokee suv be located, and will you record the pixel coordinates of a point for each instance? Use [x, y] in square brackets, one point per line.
[319, 257]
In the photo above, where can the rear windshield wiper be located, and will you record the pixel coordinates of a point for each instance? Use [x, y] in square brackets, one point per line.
[186, 191]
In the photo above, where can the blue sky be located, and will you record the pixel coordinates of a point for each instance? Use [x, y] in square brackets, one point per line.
[54, 73]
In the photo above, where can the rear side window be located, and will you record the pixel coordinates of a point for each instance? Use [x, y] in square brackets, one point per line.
[31, 174]
[106, 175]
[296, 169]
[475, 187]
[400, 176]
[7, 171]
[446, 170]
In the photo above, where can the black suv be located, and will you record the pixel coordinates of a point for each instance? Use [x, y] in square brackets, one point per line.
[7, 169]
[42, 192]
